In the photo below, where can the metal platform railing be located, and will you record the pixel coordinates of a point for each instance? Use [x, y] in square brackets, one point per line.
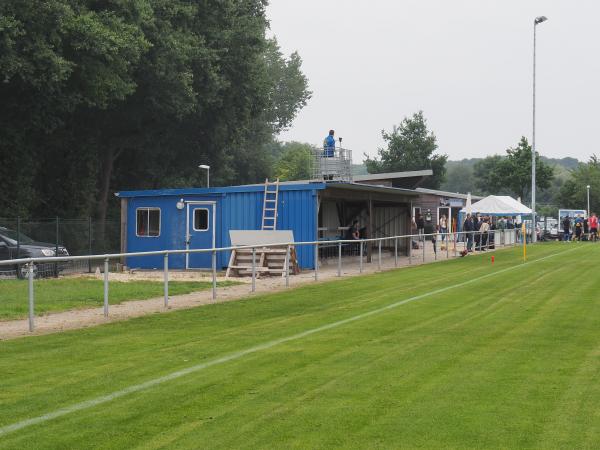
[332, 164]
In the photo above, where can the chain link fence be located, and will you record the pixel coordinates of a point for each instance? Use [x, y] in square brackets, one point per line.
[22, 238]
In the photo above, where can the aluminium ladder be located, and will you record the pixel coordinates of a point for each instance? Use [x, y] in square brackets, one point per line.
[271, 199]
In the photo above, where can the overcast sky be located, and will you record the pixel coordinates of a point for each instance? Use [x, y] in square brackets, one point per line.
[466, 63]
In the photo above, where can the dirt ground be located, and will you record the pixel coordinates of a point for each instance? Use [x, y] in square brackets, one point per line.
[82, 318]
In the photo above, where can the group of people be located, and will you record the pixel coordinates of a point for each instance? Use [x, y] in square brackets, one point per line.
[478, 229]
[580, 228]
[424, 226]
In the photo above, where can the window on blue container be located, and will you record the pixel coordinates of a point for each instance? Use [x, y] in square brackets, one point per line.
[201, 219]
[147, 222]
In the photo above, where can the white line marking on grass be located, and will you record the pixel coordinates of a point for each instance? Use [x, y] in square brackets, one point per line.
[233, 356]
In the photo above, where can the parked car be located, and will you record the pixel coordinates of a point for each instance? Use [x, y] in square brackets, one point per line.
[27, 248]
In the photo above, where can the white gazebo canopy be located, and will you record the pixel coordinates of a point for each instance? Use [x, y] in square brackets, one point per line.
[498, 205]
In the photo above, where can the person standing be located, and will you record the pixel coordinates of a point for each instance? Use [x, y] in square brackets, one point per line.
[593, 222]
[566, 229]
[578, 227]
[329, 145]
[420, 226]
[443, 226]
[468, 228]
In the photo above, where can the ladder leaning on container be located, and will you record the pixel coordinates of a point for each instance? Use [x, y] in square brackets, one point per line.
[271, 199]
[268, 260]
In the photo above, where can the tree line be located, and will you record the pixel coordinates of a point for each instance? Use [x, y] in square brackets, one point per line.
[99, 96]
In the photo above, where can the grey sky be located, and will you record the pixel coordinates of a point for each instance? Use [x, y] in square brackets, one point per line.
[467, 64]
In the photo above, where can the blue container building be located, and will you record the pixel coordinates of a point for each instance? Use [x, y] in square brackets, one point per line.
[200, 218]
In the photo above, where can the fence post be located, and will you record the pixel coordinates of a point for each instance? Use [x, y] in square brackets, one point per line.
[287, 266]
[396, 252]
[18, 236]
[214, 274]
[89, 243]
[360, 265]
[166, 277]
[253, 269]
[316, 261]
[379, 256]
[424, 242]
[106, 287]
[447, 240]
[339, 272]
[31, 301]
[410, 249]
[56, 249]
[434, 245]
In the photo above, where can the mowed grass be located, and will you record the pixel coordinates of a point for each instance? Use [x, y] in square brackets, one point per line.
[61, 294]
[507, 361]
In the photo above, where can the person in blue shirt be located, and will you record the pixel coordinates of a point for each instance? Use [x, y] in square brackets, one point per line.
[329, 145]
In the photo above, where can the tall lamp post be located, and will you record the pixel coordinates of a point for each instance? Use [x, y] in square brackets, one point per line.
[207, 168]
[588, 200]
[536, 22]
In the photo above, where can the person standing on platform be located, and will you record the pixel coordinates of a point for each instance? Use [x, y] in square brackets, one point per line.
[329, 145]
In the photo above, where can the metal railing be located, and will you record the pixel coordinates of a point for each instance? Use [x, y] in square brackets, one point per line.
[332, 163]
[467, 238]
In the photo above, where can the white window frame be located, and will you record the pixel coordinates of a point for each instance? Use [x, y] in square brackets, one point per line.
[207, 219]
[148, 208]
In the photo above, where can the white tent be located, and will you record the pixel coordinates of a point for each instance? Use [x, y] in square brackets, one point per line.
[499, 205]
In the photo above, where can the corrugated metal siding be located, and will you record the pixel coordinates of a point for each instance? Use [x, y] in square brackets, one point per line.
[296, 212]
[390, 221]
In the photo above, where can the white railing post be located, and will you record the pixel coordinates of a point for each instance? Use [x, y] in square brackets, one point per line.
[166, 278]
[360, 265]
[410, 249]
[396, 252]
[253, 269]
[339, 269]
[214, 274]
[31, 299]
[424, 242]
[316, 261]
[105, 287]
[379, 256]
[287, 266]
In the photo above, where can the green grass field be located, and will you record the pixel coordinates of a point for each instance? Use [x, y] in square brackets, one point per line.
[61, 294]
[458, 354]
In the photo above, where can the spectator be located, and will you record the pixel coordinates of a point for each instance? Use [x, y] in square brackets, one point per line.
[578, 227]
[593, 222]
[420, 226]
[443, 226]
[429, 231]
[566, 228]
[469, 227]
[329, 145]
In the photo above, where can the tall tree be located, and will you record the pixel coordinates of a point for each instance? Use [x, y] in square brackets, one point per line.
[573, 193]
[294, 162]
[99, 96]
[511, 174]
[410, 146]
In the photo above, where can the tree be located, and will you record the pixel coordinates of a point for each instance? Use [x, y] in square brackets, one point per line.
[410, 146]
[573, 193]
[511, 174]
[294, 162]
[101, 96]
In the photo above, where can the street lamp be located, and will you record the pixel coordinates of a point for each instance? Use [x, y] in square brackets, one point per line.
[536, 22]
[207, 168]
[588, 200]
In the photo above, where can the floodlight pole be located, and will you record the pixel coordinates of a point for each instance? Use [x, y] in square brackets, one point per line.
[207, 168]
[588, 201]
[536, 21]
